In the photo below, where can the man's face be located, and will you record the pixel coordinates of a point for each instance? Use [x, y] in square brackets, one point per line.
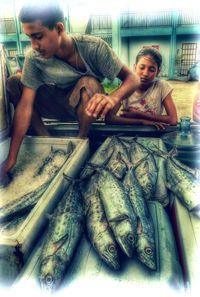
[43, 40]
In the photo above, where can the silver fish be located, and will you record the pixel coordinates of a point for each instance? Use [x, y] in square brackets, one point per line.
[47, 171]
[63, 234]
[97, 226]
[119, 211]
[51, 164]
[145, 244]
[183, 183]
[22, 205]
[101, 156]
[145, 168]
[116, 164]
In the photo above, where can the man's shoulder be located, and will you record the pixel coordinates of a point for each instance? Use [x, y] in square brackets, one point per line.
[87, 38]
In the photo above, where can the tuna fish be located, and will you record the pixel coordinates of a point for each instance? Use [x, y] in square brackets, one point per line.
[145, 244]
[63, 234]
[119, 211]
[97, 226]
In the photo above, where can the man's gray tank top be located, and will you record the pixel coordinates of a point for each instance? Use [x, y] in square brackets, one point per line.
[99, 59]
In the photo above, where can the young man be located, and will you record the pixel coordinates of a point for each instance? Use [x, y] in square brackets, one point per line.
[61, 77]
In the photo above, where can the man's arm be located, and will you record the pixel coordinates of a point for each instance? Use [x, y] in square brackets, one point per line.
[100, 104]
[21, 122]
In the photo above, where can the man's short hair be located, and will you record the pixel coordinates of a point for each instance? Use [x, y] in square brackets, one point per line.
[48, 12]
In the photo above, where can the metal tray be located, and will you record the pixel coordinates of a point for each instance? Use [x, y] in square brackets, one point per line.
[15, 247]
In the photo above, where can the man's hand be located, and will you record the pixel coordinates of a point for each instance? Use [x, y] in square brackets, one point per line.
[5, 167]
[100, 104]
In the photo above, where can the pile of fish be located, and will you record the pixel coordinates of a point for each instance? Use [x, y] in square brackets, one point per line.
[109, 202]
[12, 212]
[122, 178]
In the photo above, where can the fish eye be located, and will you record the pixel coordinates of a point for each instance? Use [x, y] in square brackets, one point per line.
[111, 248]
[148, 250]
[130, 237]
[49, 279]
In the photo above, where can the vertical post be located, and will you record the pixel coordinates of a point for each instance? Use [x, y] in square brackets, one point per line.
[116, 35]
[67, 17]
[172, 55]
[17, 26]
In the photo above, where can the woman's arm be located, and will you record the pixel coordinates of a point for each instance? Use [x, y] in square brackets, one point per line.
[113, 118]
[170, 117]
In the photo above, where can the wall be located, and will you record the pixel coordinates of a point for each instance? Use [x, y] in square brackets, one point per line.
[131, 47]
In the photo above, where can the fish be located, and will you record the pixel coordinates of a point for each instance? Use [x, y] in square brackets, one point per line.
[100, 158]
[45, 174]
[97, 226]
[63, 234]
[146, 170]
[54, 161]
[182, 181]
[145, 242]
[116, 164]
[118, 209]
[22, 205]
[10, 227]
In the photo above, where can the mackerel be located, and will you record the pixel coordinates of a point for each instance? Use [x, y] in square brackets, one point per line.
[97, 226]
[45, 174]
[145, 244]
[146, 170]
[63, 234]
[183, 183]
[22, 205]
[119, 211]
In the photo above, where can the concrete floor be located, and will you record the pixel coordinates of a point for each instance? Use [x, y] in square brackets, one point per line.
[183, 96]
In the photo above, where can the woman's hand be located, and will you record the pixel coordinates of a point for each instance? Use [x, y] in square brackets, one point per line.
[100, 104]
[158, 125]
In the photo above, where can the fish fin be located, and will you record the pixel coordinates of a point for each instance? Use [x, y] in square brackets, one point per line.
[119, 219]
[59, 243]
[139, 227]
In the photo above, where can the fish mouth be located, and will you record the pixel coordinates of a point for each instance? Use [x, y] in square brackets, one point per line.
[114, 264]
[149, 263]
[47, 284]
[127, 244]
